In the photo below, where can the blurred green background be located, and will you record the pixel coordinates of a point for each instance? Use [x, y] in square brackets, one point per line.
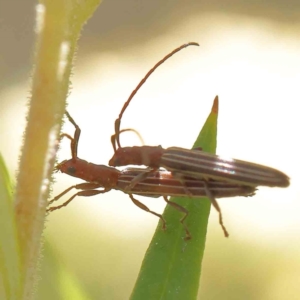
[249, 56]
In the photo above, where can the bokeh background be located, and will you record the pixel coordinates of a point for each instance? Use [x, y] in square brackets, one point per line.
[249, 56]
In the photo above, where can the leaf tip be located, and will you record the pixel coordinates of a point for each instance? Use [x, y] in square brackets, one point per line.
[215, 106]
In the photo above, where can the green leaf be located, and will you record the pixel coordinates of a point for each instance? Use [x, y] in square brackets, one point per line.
[172, 266]
[9, 247]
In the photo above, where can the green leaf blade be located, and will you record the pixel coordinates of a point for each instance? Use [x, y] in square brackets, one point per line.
[172, 266]
[10, 268]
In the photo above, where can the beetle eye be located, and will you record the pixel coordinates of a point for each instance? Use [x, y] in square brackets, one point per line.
[71, 170]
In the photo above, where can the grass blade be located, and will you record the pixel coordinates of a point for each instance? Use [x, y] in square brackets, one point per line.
[9, 247]
[172, 266]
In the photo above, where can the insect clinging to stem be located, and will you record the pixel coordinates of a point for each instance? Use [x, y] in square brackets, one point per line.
[193, 163]
[101, 179]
